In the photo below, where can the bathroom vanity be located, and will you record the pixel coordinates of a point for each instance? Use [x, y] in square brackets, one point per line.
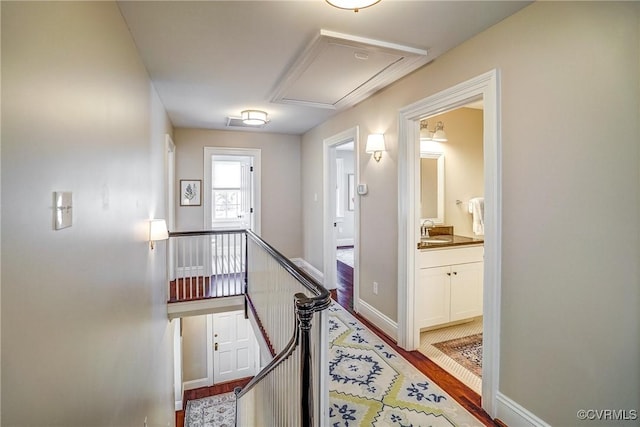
[448, 280]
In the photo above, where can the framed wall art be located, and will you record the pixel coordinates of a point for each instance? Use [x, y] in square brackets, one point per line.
[190, 192]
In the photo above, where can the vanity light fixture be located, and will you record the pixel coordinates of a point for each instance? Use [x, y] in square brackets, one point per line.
[254, 117]
[375, 145]
[157, 231]
[354, 5]
[437, 134]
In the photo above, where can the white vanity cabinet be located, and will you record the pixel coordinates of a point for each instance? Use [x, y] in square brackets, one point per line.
[449, 285]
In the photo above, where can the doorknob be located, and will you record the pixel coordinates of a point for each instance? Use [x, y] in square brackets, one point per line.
[215, 346]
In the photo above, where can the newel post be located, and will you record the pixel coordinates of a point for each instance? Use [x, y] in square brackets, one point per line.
[304, 312]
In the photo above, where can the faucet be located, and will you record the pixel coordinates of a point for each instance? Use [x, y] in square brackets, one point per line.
[424, 230]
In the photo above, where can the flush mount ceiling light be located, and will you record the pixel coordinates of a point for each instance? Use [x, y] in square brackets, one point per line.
[254, 117]
[354, 5]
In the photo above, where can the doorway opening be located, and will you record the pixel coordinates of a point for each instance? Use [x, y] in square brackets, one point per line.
[451, 183]
[341, 217]
[486, 88]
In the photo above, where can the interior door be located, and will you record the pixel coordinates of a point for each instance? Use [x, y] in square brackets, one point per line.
[234, 347]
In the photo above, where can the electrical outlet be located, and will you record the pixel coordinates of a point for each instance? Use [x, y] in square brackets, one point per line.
[375, 288]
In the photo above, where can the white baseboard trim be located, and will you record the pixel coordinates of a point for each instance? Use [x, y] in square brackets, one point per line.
[315, 273]
[512, 414]
[201, 382]
[380, 320]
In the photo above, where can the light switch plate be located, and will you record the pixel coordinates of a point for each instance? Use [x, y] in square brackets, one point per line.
[362, 189]
[63, 209]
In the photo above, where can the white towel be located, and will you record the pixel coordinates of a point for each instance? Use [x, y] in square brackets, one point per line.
[476, 208]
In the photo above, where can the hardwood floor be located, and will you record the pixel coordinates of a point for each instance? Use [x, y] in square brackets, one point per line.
[466, 397]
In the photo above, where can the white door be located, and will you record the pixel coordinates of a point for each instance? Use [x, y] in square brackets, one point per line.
[231, 186]
[466, 290]
[234, 347]
[433, 294]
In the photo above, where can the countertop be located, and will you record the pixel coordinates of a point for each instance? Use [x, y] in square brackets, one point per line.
[447, 241]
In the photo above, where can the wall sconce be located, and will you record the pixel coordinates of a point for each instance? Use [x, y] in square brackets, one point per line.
[437, 134]
[375, 145]
[157, 231]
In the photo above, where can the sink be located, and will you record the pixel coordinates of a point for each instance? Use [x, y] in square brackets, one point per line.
[435, 240]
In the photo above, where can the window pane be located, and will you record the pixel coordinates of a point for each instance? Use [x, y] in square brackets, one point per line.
[226, 204]
[226, 174]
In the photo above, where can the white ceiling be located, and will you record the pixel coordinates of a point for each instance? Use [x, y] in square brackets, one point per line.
[209, 60]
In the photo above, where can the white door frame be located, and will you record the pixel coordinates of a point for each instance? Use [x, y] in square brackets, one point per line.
[329, 239]
[170, 191]
[206, 183]
[485, 86]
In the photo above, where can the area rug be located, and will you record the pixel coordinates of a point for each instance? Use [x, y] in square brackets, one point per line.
[372, 385]
[345, 256]
[467, 351]
[213, 411]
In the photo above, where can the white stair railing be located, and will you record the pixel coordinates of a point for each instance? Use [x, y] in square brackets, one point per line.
[289, 306]
[207, 264]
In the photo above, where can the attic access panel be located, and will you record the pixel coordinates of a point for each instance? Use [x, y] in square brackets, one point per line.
[338, 70]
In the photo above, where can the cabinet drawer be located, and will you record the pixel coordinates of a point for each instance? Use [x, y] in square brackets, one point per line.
[449, 256]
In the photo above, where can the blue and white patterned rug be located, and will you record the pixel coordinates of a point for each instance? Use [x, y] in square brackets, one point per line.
[372, 385]
[369, 385]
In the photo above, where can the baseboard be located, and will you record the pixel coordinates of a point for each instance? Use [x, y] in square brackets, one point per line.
[512, 414]
[315, 273]
[378, 319]
[201, 382]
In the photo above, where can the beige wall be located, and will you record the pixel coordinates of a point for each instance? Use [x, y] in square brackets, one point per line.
[464, 165]
[85, 336]
[281, 212]
[569, 84]
[194, 348]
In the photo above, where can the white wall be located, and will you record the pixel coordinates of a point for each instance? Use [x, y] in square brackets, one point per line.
[346, 226]
[570, 78]
[281, 211]
[194, 347]
[85, 335]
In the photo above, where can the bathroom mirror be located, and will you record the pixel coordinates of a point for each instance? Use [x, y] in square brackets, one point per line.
[432, 186]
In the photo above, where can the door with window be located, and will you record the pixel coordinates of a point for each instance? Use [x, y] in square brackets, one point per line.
[231, 192]
[232, 188]
[231, 197]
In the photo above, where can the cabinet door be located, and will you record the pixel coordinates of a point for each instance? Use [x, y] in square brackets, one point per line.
[466, 290]
[432, 297]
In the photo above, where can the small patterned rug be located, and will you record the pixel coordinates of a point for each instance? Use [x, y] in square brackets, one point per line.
[345, 255]
[213, 411]
[467, 351]
[372, 385]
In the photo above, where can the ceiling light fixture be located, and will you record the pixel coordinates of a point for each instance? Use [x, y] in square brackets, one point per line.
[437, 134]
[354, 5]
[254, 117]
